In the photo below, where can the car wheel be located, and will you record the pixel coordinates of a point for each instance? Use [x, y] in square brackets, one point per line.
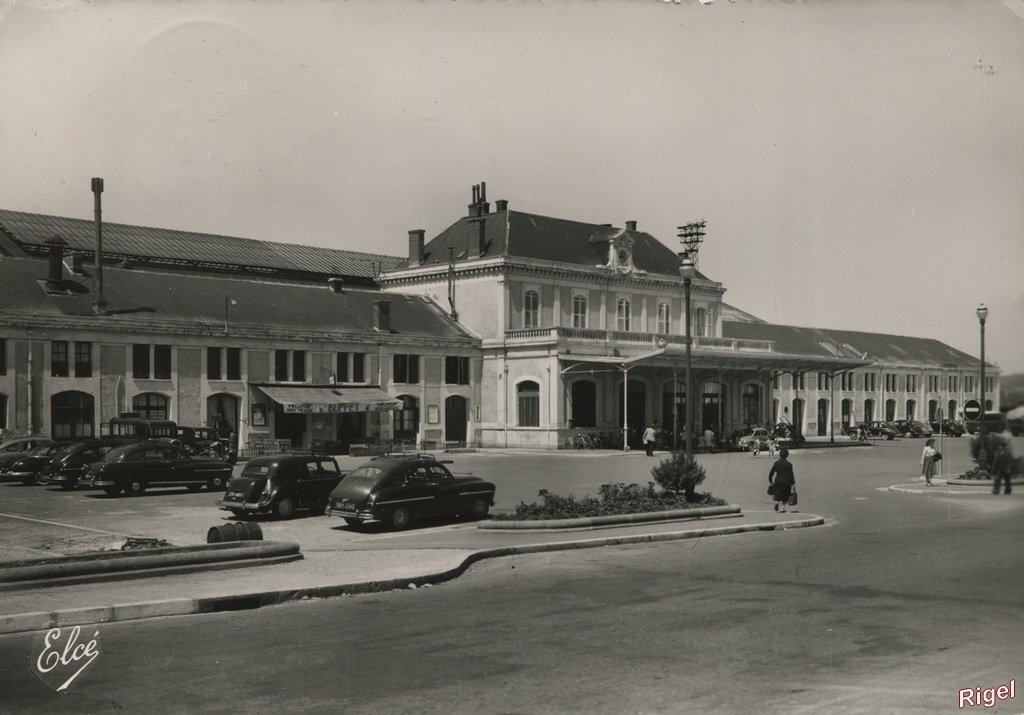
[400, 518]
[352, 522]
[193, 487]
[478, 509]
[284, 509]
[136, 488]
[216, 484]
[111, 491]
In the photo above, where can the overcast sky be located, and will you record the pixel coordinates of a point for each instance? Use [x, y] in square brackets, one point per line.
[860, 164]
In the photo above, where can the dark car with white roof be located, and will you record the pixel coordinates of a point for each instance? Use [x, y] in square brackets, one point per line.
[396, 490]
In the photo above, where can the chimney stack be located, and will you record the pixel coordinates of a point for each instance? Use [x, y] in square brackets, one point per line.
[56, 244]
[382, 315]
[416, 246]
[336, 285]
[479, 207]
[99, 306]
[631, 225]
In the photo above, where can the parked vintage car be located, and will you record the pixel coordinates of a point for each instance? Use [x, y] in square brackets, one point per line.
[134, 468]
[949, 428]
[12, 450]
[877, 429]
[758, 435]
[29, 465]
[281, 484]
[69, 465]
[398, 489]
[911, 428]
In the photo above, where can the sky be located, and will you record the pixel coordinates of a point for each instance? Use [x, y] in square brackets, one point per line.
[859, 163]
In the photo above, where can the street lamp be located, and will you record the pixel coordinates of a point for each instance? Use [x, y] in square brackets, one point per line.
[690, 236]
[687, 271]
[982, 312]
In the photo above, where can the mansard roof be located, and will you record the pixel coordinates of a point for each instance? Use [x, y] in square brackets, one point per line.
[185, 302]
[879, 347]
[516, 234]
[169, 248]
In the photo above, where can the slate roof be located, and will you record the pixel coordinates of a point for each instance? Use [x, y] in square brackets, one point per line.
[826, 342]
[525, 235]
[186, 249]
[198, 300]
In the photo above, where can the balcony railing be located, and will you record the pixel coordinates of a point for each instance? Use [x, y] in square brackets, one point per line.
[591, 335]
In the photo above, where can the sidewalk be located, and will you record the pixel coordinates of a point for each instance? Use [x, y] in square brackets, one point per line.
[378, 562]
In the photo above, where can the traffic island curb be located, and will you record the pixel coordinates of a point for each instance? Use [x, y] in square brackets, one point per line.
[105, 565]
[19, 623]
[610, 520]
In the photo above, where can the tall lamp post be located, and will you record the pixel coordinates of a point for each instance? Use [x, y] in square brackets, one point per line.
[982, 312]
[690, 236]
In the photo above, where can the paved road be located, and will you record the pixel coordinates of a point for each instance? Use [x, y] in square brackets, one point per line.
[903, 600]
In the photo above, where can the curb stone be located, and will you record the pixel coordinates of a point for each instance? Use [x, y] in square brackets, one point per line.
[19, 623]
[617, 519]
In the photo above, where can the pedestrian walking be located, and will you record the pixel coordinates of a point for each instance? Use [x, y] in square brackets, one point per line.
[755, 446]
[782, 479]
[649, 439]
[928, 454]
[709, 440]
[773, 445]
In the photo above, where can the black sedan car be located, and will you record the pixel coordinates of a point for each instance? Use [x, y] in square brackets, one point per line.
[912, 428]
[874, 430]
[70, 464]
[949, 428]
[134, 468]
[27, 467]
[280, 484]
[14, 449]
[396, 490]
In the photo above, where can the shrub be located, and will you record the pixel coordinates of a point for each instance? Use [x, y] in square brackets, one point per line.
[679, 473]
[612, 499]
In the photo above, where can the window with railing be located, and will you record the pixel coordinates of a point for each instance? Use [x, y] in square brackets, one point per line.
[531, 309]
[579, 311]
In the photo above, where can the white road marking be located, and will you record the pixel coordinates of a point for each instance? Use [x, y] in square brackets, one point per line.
[58, 523]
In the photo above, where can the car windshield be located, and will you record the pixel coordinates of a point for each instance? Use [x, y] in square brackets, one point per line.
[118, 453]
[255, 470]
[365, 475]
[43, 450]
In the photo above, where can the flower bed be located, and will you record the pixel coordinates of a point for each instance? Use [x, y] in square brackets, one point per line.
[613, 499]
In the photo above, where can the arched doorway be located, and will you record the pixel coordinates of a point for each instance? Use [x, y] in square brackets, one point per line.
[712, 413]
[222, 412]
[847, 413]
[869, 410]
[798, 415]
[583, 404]
[71, 415]
[951, 415]
[911, 409]
[751, 404]
[455, 418]
[290, 426]
[822, 417]
[890, 410]
[933, 406]
[150, 406]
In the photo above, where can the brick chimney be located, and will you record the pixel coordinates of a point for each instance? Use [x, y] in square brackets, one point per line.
[479, 207]
[382, 315]
[631, 225]
[416, 246]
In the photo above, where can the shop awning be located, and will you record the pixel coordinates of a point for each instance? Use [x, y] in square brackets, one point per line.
[330, 398]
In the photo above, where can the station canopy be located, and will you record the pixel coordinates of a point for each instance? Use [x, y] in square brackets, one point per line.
[329, 398]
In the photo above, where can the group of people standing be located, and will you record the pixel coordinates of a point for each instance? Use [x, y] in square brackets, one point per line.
[704, 442]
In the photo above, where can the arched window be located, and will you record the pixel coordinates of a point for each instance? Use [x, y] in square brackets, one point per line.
[71, 415]
[933, 406]
[890, 410]
[222, 412]
[579, 311]
[150, 406]
[584, 403]
[664, 318]
[912, 410]
[623, 315]
[531, 309]
[847, 413]
[3, 411]
[751, 404]
[528, 402]
[869, 411]
[407, 418]
[952, 415]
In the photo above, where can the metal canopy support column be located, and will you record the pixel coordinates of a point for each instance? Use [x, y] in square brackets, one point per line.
[625, 409]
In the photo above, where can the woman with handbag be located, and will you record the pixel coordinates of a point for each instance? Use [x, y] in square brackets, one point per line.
[781, 480]
[928, 460]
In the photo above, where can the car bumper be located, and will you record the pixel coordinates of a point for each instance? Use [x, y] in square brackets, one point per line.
[247, 507]
[361, 514]
[97, 482]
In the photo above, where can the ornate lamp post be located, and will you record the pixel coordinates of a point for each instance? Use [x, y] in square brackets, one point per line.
[982, 312]
[690, 236]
